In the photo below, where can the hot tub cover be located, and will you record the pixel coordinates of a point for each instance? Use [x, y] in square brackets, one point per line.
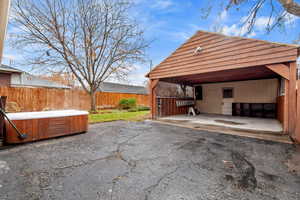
[45, 114]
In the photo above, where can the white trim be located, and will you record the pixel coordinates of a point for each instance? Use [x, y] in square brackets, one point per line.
[45, 114]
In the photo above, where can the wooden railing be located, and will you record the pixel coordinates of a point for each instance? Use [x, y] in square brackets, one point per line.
[167, 106]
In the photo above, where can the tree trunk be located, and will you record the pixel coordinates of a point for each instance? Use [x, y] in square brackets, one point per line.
[93, 101]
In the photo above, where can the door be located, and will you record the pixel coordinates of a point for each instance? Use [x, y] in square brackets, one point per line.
[228, 99]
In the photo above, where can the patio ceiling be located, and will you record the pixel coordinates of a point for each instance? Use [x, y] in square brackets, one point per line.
[249, 73]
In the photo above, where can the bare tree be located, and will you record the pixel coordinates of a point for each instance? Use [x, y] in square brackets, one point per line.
[276, 17]
[93, 39]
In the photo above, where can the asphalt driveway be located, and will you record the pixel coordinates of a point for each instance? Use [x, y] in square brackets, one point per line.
[147, 160]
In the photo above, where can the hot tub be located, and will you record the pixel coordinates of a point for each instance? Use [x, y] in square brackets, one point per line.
[46, 124]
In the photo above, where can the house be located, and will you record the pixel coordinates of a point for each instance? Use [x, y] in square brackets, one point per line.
[70, 80]
[233, 76]
[14, 77]
[122, 88]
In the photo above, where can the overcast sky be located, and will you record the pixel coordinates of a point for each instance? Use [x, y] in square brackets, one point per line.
[168, 23]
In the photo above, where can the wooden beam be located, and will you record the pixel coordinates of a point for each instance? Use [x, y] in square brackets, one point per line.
[292, 99]
[286, 107]
[153, 104]
[297, 134]
[154, 83]
[280, 69]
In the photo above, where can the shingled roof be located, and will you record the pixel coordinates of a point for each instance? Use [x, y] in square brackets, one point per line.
[6, 68]
[122, 88]
[210, 52]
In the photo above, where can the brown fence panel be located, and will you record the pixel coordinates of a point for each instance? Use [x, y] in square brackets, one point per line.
[167, 106]
[297, 135]
[38, 99]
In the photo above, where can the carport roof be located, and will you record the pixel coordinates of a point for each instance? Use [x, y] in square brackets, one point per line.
[207, 52]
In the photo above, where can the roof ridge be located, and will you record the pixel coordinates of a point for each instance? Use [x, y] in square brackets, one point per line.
[255, 39]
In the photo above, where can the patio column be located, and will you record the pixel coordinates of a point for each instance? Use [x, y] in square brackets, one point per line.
[153, 104]
[292, 116]
[284, 71]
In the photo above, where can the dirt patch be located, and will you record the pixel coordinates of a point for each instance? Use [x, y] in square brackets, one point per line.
[193, 145]
[269, 177]
[246, 172]
[293, 163]
[229, 122]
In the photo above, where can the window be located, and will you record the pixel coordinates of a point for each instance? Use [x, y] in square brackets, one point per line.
[198, 92]
[227, 93]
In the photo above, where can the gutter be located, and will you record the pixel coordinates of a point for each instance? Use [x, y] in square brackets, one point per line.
[4, 12]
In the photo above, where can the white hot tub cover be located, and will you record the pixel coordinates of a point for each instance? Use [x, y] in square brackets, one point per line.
[45, 114]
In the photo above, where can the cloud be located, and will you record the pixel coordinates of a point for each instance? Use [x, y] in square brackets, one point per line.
[223, 16]
[10, 56]
[137, 78]
[290, 19]
[181, 36]
[162, 4]
[263, 22]
[236, 30]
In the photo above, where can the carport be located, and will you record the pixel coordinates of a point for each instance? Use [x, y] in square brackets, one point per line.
[231, 76]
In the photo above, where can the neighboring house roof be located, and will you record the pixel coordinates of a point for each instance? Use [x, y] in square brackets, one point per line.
[23, 79]
[8, 69]
[122, 88]
[210, 52]
[34, 81]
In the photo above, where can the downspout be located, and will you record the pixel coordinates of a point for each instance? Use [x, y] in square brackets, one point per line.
[4, 15]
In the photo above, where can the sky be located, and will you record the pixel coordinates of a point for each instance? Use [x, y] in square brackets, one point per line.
[169, 23]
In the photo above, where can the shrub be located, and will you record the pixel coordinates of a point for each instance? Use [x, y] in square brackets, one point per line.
[127, 103]
[143, 108]
[123, 104]
[133, 110]
[132, 103]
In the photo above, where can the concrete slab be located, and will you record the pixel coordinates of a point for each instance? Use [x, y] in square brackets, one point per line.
[234, 122]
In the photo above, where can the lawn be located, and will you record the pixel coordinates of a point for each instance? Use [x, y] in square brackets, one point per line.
[114, 115]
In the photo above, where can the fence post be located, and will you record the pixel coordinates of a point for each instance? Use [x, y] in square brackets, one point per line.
[297, 134]
[2, 106]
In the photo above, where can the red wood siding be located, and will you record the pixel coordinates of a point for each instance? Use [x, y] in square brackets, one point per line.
[5, 79]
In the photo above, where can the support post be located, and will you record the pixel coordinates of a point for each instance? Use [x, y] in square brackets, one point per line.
[297, 134]
[292, 116]
[153, 104]
[285, 72]
[286, 107]
[2, 106]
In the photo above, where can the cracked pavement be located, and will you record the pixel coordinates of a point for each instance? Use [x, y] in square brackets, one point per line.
[147, 160]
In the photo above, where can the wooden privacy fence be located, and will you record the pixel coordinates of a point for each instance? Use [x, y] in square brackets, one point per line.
[38, 99]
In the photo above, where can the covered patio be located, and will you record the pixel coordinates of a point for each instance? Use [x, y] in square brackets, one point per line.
[237, 83]
[250, 124]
